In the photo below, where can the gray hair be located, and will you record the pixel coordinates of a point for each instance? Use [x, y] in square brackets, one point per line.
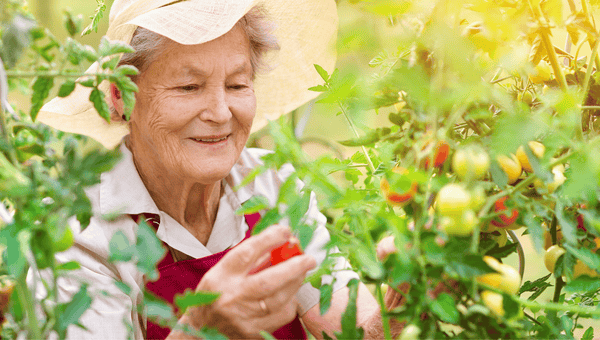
[259, 30]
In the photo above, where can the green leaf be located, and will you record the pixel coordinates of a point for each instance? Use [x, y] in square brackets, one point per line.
[97, 97]
[98, 14]
[119, 248]
[318, 88]
[350, 329]
[198, 298]
[149, 250]
[15, 38]
[111, 63]
[211, 334]
[109, 48]
[41, 90]
[469, 266]
[71, 265]
[502, 252]
[90, 82]
[529, 286]
[126, 70]
[271, 217]
[589, 334]
[583, 283]
[70, 312]
[324, 75]
[66, 88]
[253, 205]
[444, 307]
[510, 306]
[326, 291]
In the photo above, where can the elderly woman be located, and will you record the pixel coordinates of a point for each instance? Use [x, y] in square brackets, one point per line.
[183, 151]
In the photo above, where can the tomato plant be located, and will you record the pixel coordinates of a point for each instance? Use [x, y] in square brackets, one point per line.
[484, 83]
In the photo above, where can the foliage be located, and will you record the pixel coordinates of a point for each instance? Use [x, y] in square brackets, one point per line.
[470, 74]
[473, 74]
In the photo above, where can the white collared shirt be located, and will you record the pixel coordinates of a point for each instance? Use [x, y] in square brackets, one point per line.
[122, 191]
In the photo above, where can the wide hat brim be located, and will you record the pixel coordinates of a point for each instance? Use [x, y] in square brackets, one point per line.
[305, 29]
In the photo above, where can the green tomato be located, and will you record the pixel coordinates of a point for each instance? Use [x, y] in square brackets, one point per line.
[453, 200]
[410, 332]
[551, 256]
[470, 163]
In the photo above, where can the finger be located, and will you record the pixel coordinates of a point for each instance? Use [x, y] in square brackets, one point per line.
[244, 256]
[279, 317]
[386, 247]
[286, 275]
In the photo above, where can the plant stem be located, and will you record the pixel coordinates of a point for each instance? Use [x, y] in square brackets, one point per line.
[557, 289]
[27, 302]
[545, 34]
[385, 320]
[353, 128]
[558, 307]
[586, 11]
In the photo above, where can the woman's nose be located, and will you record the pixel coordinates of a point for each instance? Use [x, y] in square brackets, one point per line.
[216, 108]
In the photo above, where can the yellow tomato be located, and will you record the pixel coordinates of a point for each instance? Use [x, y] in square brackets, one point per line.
[551, 256]
[493, 301]
[470, 163]
[511, 167]
[506, 278]
[582, 269]
[537, 149]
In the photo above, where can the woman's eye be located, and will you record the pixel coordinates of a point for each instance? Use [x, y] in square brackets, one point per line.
[238, 87]
[188, 88]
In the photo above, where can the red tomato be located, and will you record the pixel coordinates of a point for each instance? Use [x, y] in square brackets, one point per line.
[285, 251]
[504, 220]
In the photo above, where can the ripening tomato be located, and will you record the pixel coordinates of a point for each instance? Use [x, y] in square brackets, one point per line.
[285, 251]
[536, 148]
[582, 269]
[396, 198]
[442, 149]
[510, 166]
[505, 219]
[551, 256]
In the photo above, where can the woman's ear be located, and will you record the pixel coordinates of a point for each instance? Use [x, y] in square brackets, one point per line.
[117, 103]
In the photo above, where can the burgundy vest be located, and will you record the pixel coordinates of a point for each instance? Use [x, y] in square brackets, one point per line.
[176, 277]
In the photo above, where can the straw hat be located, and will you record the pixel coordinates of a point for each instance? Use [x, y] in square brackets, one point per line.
[306, 31]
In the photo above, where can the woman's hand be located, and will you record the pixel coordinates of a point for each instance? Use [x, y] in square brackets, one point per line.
[251, 302]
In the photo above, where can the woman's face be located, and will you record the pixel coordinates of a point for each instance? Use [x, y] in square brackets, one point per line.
[194, 109]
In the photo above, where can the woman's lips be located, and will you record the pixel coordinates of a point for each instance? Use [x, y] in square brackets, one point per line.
[210, 140]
